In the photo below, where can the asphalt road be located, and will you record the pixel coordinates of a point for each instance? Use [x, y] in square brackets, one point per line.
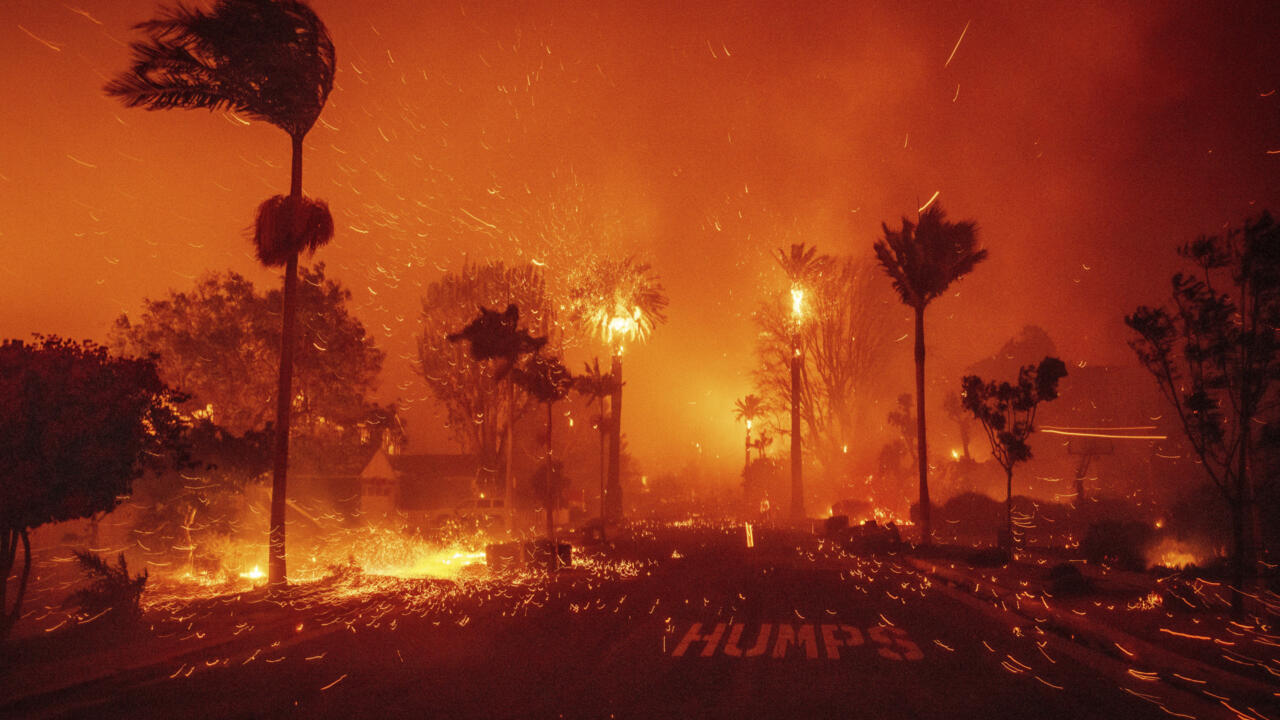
[700, 626]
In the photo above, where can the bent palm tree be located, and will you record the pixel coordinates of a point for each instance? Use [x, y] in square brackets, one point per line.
[923, 260]
[273, 61]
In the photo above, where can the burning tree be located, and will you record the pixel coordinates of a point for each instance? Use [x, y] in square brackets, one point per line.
[747, 410]
[272, 60]
[77, 428]
[618, 301]
[923, 259]
[1216, 358]
[1007, 413]
[475, 403]
[846, 342]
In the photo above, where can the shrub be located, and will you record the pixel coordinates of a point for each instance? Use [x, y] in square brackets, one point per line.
[1066, 579]
[112, 591]
[1122, 543]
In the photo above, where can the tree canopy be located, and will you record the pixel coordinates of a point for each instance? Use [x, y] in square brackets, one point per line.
[220, 342]
[77, 428]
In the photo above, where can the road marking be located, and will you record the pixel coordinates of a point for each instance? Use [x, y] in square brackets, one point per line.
[791, 640]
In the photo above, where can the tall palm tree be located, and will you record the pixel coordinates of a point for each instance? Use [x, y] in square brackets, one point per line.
[803, 265]
[922, 260]
[619, 301]
[273, 61]
[746, 410]
[596, 385]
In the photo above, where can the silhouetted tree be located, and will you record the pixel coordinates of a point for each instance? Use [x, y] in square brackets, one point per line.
[618, 301]
[77, 427]
[497, 336]
[272, 60]
[547, 380]
[1007, 412]
[1215, 356]
[923, 259]
[471, 393]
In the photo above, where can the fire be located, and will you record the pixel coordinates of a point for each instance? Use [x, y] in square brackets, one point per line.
[1175, 554]
[797, 301]
[254, 574]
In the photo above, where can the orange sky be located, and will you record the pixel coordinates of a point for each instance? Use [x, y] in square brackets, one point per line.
[1085, 140]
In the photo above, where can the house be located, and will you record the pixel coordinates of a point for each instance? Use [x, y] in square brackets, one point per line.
[419, 486]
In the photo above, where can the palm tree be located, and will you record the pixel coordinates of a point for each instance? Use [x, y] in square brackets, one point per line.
[746, 410]
[494, 335]
[923, 260]
[547, 380]
[802, 265]
[597, 385]
[619, 301]
[273, 61]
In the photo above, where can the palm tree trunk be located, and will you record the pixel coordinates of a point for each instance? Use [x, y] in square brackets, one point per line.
[614, 489]
[797, 455]
[284, 394]
[603, 458]
[1007, 541]
[508, 477]
[551, 495]
[922, 461]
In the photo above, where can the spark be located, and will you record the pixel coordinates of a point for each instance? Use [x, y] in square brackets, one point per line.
[925, 206]
[957, 46]
[335, 682]
[51, 45]
[1110, 436]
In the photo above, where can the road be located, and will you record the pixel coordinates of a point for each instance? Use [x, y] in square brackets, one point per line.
[697, 625]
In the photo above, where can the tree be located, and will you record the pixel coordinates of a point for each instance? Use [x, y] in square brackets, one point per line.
[272, 60]
[803, 266]
[1007, 413]
[497, 336]
[471, 392]
[1215, 356]
[547, 380]
[597, 385]
[846, 341]
[618, 301]
[922, 260]
[747, 410]
[220, 341]
[77, 428]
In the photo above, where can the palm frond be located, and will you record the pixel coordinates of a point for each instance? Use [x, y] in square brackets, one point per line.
[271, 60]
[283, 228]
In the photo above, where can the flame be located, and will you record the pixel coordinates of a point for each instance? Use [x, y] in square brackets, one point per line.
[797, 302]
[1175, 554]
[254, 574]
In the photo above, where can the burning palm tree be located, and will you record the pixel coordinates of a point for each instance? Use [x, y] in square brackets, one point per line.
[746, 410]
[803, 265]
[923, 260]
[273, 61]
[620, 302]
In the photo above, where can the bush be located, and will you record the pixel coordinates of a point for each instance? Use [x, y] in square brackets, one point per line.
[1122, 543]
[112, 592]
[989, 557]
[1066, 579]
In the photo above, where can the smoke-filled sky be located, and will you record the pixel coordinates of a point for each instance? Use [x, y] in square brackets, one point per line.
[1086, 139]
